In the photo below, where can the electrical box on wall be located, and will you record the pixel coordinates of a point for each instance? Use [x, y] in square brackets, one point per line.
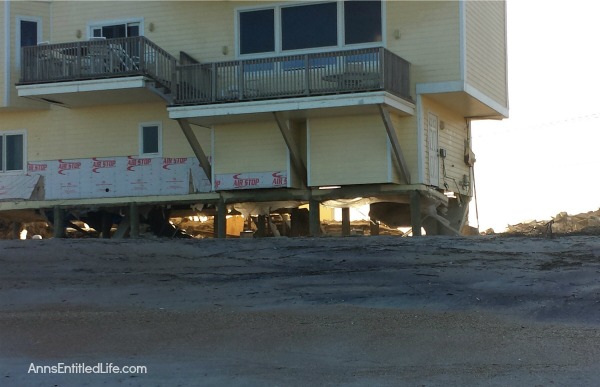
[442, 153]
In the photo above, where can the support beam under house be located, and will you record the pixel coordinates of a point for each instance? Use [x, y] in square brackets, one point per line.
[399, 156]
[196, 147]
[293, 147]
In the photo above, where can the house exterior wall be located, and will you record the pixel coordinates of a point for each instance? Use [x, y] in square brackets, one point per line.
[452, 138]
[348, 150]
[4, 54]
[407, 133]
[246, 155]
[429, 38]
[485, 48]
[95, 152]
[39, 11]
[201, 29]
[102, 131]
[338, 150]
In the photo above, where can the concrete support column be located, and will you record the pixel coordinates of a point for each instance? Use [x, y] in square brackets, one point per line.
[345, 221]
[59, 223]
[221, 220]
[314, 218]
[134, 219]
[415, 213]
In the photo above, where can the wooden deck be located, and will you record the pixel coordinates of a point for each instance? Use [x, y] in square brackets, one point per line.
[331, 72]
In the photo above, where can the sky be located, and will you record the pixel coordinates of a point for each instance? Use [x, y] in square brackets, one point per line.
[543, 159]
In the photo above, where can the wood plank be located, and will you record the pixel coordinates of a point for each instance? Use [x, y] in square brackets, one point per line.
[196, 147]
[293, 147]
[399, 156]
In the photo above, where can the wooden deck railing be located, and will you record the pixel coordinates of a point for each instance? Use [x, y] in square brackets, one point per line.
[372, 69]
[103, 58]
[294, 76]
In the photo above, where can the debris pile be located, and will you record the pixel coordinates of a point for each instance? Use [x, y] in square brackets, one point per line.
[12, 230]
[563, 223]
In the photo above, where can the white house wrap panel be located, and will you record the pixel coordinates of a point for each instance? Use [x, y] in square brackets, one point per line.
[251, 180]
[117, 177]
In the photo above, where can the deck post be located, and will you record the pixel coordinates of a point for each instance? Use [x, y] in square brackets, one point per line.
[16, 230]
[415, 213]
[221, 219]
[314, 218]
[106, 224]
[261, 229]
[374, 227]
[134, 218]
[345, 221]
[59, 223]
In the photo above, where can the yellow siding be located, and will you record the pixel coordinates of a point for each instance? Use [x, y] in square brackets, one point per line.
[200, 28]
[486, 48]
[97, 132]
[452, 138]
[348, 150]
[249, 147]
[429, 38]
[36, 9]
[3, 54]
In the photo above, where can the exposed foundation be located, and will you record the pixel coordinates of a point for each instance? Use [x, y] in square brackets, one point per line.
[258, 213]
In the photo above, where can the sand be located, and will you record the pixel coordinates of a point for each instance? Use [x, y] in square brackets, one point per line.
[356, 311]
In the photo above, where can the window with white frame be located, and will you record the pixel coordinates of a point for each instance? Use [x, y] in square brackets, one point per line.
[286, 28]
[110, 30]
[151, 139]
[12, 151]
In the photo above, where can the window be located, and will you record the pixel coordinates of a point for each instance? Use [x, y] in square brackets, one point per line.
[309, 26]
[362, 22]
[151, 139]
[29, 36]
[12, 152]
[115, 30]
[286, 28]
[257, 31]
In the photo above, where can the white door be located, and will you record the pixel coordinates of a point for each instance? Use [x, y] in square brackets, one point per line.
[432, 140]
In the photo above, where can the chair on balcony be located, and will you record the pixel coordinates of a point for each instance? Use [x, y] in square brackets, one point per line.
[96, 61]
[49, 65]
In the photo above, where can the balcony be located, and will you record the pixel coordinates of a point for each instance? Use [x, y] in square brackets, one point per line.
[307, 75]
[96, 71]
[123, 69]
[96, 59]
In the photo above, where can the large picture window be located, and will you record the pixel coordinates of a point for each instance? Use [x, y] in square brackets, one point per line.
[284, 28]
[12, 152]
[362, 22]
[309, 26]
[257, 31]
